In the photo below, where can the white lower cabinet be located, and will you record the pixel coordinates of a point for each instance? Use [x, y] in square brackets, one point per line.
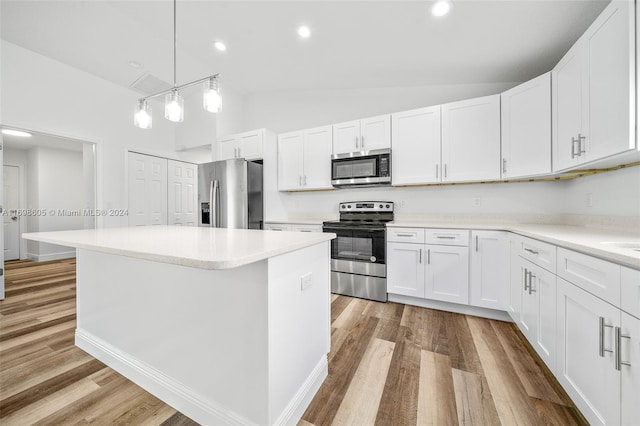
[431, 271]
[405, 270]
[447, 273]
[489, 273]
[586, 366]
[537, 318]
[630, 369]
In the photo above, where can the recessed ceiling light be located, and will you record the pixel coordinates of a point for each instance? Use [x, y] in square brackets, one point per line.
[18, 133]
[220, 46]
[304, 31]
[135, 64]
[441, 8]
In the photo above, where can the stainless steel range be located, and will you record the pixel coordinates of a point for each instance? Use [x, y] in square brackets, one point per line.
[358, 255]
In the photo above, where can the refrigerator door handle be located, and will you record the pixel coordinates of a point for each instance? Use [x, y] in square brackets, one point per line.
[214, 203]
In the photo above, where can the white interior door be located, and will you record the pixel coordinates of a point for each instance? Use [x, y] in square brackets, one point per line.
[181, 197]
[147, 190]
[11, 175]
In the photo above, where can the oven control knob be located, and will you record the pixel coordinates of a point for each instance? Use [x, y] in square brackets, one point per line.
[387, 205]
[372, 258]
[380, 206]
[343, 206]
[349, 206]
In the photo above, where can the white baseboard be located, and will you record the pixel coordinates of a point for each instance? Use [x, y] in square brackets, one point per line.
[293, 412]
[52, 256]
[153, 381]
[451, 307]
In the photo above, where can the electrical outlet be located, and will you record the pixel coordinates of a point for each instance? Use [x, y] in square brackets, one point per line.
[401, 203]
[477, 202]
[305, 281]
[589, 200]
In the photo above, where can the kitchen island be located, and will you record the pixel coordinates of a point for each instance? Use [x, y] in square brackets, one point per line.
[227, 326]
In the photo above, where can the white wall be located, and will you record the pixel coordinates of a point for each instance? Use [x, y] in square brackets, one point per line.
[297, 110]
[55, 183]
[615, 193]
[41, 94]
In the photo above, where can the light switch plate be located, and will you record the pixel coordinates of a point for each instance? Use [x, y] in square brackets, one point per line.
[305, 281]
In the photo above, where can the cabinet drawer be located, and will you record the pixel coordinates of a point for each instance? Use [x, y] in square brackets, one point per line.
[276, 227]
[305, 228]
[447, 237]
[539, 253]
[630, 291]
[597, 276]
[405, 235]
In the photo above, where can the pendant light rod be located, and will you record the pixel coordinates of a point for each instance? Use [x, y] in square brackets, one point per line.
[175, 43]
[182, 86]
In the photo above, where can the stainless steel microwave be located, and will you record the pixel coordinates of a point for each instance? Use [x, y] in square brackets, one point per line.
[361, 169]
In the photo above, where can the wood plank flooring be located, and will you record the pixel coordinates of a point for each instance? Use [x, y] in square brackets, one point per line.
[390, 364]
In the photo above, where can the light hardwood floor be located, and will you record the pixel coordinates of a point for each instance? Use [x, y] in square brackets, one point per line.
[389, 364]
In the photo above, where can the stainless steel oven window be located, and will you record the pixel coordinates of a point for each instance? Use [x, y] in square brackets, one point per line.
[355, 248]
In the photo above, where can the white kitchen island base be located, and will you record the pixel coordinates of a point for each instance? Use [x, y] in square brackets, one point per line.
[246, 345]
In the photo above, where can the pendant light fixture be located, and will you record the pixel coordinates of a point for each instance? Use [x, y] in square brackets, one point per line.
[174, 102]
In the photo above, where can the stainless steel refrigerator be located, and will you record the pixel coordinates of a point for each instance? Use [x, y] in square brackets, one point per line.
[230, 194]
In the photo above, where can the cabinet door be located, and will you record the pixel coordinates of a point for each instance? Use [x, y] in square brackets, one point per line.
[526, 128]
[516, 282]
[346, 137]
[228, 148]
[147, 190]
[529, 307]
[630, 374]
[590, 379]
[375, 133]
[489, 271]
[317, 158]
[611, 52]
[543, 291]
[405, 269]
[570, 115]
[290, 152]
[416, 146]
[447, 273]
[182, 185]
[251, 145]
[471, 140]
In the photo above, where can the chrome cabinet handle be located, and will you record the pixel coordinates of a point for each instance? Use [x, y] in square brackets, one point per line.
[504, 165]
[581, 149]
[357, 142]
[429, 256]
[405, 235]
[601, 328]
[531, 277]
[436, 171]
[526, 274]
[619, 337]
[300, 180]
[445, 170]
[476, 243]
[304, 180]
[531, 251]
[445, 237]
[420, 260]
[573, 145]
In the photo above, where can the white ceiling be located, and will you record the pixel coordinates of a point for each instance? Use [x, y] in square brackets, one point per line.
[355, 44]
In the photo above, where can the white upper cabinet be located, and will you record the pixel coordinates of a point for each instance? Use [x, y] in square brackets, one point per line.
[593, 91]
[415, 139]
[248, 145]
[304, 160]
[526, 128]
[362, 135]
[471, 140]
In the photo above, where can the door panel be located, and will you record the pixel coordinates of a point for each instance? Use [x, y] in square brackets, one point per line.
[405, 269]
[447, 274]
[11, 176]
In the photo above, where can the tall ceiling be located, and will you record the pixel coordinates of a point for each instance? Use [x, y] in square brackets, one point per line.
[354, 44]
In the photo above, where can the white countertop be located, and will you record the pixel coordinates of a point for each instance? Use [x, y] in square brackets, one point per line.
[198, 247]
[584, 239]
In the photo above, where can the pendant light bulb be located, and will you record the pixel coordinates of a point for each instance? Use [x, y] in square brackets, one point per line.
[142, 117]
[211, 100]
[174, 107]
